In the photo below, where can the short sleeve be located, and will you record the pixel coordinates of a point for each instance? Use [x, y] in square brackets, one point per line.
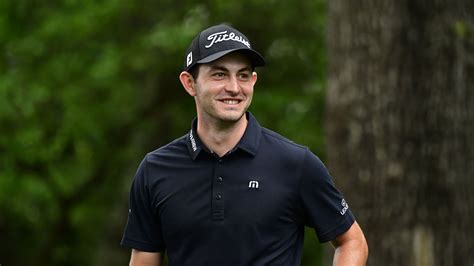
[324, 207]
[143, 229]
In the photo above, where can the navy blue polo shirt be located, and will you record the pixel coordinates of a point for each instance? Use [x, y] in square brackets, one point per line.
[248, 207]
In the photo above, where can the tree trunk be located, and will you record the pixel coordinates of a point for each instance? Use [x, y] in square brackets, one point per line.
[400, 125]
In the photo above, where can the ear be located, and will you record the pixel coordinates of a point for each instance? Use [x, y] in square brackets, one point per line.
[187, 81]
[254, 78]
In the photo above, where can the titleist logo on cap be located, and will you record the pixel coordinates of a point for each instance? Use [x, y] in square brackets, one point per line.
[223, 37]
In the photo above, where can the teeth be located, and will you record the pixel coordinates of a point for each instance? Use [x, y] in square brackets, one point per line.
[231, 101]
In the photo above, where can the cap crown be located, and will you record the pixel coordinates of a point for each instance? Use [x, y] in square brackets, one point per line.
[217, 41]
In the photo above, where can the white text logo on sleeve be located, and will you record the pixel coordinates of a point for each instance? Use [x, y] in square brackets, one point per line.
[344, 206]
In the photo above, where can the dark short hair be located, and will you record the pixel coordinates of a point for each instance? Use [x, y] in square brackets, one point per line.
[194, 71]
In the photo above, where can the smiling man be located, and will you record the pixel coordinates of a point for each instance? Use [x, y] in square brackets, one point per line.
[231, 192]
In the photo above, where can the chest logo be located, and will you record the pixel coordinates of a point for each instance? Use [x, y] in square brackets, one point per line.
[253, 184]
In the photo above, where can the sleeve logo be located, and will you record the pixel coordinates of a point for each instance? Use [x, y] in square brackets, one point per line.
[344, 207]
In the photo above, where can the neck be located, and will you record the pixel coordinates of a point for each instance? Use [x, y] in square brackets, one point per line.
[221, 137]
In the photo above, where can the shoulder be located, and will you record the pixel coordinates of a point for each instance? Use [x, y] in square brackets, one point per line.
[279, 142]
[281, 150]
[164, 159]
[300, 154]
[173, 149]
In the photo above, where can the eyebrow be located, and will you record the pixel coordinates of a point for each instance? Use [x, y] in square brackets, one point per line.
[219, 67]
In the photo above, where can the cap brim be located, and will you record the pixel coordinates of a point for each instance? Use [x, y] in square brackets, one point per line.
[255, 57]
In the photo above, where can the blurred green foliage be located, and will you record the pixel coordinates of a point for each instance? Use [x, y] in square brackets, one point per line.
[88, 87]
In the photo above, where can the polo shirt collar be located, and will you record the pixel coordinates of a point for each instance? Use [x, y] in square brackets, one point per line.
[248, 143]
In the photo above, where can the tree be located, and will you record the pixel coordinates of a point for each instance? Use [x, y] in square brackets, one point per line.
[400, 125]
[88, 87]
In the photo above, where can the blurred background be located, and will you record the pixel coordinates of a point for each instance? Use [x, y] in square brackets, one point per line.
[380, 90]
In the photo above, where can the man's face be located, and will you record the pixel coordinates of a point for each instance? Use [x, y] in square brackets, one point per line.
[224, 88]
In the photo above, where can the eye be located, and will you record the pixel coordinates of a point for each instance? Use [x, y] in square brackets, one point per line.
[244, 76]
[218, 74]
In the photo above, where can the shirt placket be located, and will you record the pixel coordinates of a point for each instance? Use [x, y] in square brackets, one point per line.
[218, 196]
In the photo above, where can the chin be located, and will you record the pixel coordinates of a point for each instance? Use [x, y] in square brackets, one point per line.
[231, 117]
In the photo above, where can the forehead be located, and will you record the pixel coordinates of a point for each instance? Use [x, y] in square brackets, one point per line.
[232, 60]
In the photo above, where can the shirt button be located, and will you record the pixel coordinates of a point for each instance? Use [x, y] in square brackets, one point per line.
[218, 196]
[220, 160]
[219, 179]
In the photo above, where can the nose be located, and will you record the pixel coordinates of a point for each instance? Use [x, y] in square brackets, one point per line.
[232, 86]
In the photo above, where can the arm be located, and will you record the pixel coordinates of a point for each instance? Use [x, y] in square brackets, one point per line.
[142, 258]
[350, 247]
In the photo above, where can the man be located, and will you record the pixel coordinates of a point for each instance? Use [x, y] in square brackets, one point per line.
[231, 192]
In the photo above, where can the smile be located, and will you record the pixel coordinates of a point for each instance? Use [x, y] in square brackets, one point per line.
[232, 102]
